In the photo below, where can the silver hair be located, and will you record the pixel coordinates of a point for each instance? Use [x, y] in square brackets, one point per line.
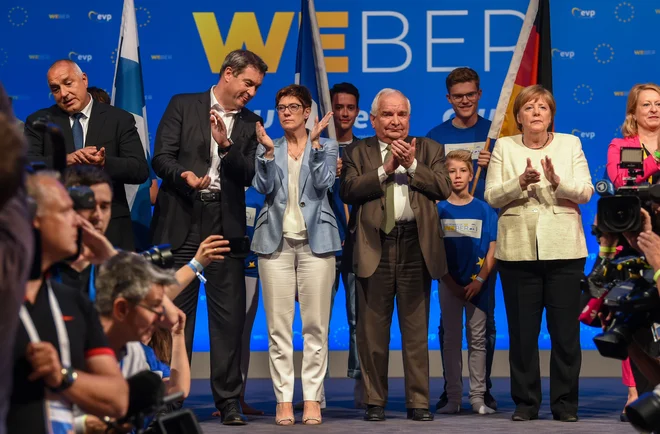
[385, 92]
[238, 60]
[74, 65]
[38, 191]
[129, 276]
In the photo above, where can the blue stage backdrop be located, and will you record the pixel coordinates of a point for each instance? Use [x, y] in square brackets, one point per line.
[598, 54]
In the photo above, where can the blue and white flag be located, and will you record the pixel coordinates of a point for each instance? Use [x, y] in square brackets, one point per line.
[310, 66]
[128, 94]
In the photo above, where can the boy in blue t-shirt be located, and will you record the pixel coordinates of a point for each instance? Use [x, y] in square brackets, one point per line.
[467, 130]
[470, 228]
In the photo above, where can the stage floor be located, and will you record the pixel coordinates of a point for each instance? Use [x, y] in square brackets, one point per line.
[601, 401]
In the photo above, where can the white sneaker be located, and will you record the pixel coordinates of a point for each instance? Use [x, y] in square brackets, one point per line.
[481, 408]
[449, 408]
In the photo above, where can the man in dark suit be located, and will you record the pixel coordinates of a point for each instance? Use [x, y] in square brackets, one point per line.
[94, 133]
[392, 181]
[204, 154]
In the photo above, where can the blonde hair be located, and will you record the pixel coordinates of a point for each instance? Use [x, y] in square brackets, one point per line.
[532, 93]
[461, 155]
[629, 127]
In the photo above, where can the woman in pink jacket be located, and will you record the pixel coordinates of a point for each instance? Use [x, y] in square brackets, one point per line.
[641, 129]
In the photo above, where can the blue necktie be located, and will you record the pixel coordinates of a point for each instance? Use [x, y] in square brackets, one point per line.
[77, 131]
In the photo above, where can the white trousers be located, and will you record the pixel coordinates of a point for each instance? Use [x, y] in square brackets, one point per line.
[294, 268]
[475, 325]
[251, 305]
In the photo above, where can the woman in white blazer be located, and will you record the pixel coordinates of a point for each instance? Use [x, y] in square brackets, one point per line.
[537, 179]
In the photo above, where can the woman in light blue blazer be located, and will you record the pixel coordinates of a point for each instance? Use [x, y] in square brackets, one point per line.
[295, 237]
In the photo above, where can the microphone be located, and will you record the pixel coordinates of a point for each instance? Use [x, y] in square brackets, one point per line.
[589, 315]
[604, 188]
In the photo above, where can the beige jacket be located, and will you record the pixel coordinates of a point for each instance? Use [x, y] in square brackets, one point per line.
[539, 215]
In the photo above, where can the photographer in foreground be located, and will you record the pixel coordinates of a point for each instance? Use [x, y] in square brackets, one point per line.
[132, 304]
[95, 207]
[61, 355]
[16, 243]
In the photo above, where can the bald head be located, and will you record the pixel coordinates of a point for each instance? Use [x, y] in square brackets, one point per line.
[68, 85]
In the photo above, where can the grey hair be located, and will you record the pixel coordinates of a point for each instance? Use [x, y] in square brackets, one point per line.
[39, 191]
[130, 276]
[239, 60]
[385, 92]
[74, 65]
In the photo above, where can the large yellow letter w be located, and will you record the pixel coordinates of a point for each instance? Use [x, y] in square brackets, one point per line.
[243, 32]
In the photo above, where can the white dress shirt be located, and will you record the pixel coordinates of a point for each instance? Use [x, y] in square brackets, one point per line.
[84, 119]
[402, 210]
[294, 226]
[228, 119]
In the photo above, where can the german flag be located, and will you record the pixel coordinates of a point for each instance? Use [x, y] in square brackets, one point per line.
[531, 64]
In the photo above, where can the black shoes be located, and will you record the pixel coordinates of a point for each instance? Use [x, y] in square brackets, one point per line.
[374, 413]
[522, 415]
[623, 417]
[565, 417]
[420, 414]
[232, 414]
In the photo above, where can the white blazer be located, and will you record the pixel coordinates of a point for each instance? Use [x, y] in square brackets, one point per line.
[539, 215]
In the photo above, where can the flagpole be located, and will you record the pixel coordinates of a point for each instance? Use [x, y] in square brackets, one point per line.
[509, 81]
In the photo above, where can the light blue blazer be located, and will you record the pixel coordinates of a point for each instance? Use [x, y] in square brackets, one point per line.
[317, 176]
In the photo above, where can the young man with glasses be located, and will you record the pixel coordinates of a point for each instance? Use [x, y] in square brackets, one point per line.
[469, 131]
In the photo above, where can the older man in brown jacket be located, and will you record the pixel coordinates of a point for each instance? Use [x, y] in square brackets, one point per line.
[393, 181]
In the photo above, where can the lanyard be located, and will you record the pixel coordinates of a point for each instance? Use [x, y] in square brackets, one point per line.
[92, 287]
[60, 327]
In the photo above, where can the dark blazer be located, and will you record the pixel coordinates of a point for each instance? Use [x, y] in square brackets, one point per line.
[183, 143]
[361, 188]
[111, 128]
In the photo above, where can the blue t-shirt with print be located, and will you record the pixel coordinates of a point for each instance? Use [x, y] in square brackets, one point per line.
[453, 138]
[254, 201]
[469, 229]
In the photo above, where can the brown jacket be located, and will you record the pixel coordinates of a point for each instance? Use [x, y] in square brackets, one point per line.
[361, 188]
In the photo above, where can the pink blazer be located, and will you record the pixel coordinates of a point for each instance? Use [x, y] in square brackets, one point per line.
[616, 174]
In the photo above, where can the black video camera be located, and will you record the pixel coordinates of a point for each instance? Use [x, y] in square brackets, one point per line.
[620, 211]
[633, 298]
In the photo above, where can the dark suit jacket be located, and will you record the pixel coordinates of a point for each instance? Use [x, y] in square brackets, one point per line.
[361, 188]
[183, 143]
[110, 128]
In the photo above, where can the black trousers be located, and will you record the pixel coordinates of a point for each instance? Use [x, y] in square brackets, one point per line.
[530, 287]
[401, 274]
[225, 300]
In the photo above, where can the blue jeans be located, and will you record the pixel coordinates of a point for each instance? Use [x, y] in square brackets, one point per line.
[348, 279]
[491, 333]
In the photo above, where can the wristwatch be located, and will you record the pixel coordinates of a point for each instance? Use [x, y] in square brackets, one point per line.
[225, 150]
[69, 376]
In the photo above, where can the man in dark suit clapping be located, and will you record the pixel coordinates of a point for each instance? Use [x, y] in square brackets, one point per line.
[205, 154]
[94, 133]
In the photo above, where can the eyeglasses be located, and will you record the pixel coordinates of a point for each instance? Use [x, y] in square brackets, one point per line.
[293, 108]
[161, 313]
[458, 97]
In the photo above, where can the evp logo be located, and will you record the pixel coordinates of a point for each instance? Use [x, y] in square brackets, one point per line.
[583, 134]
[557, 53]
[76, 57]
[244, 32]
[583, 13]
[95, 16]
